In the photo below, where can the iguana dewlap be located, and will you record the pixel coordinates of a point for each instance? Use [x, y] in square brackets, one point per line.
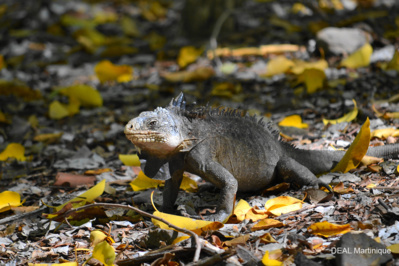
[225, 147]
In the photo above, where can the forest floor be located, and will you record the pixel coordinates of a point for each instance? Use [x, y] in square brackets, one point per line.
[73, 73]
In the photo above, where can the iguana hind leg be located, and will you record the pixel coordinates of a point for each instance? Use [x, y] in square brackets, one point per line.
[219, 176]
[291, 170]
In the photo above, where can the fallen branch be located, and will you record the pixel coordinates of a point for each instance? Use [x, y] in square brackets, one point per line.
[22, 216]
[311, 206]
[143, 213]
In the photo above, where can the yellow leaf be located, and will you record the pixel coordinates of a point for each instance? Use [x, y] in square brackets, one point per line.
[105, 16]
[327, 229]
[346, 118]
[248, 51]
[245, 51]
[13, 150]
[283, 23]
[197, 226]
[371, 185]
[33, 121]
[58, 110]
[142, 182]
[51, 137]
[2, 62]
[389, 115]
[313, 79]
[179, 239]
[356, 151]
[394, 63]
[106, 71]
[77, 20]
[9, 199]
[88, 196]
[241, 240]
[155, 40]
[189, 185]
[152, 10]
[255, 215]
[340, 189]
[293, 121]
[198, 74]
[270, 262]
[3, 118]
[97, 171]
[367, 160]
[267, 238]
[278, 48]
[73, 263]
[18, 89]
[282, 204]
[105, 253]
[266, 224]
[286, 209]
[86, 95]
[90, 39]
[278, 65]
[298, 8]
[385, 133]
[228, 68]
[241, 210]
[130, 159]
[129, 27]
[394, 248]
[360, 58]
[124, 78]
[97, 236]
[73, 106]
[224, 89]
[300, 66]
[188, 55]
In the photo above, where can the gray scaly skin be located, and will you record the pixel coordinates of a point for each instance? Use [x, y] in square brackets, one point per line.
[232, 151]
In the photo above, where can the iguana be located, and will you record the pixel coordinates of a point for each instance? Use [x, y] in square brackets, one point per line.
[233, 151]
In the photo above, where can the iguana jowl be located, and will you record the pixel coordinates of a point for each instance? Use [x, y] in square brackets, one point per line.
[227, 148]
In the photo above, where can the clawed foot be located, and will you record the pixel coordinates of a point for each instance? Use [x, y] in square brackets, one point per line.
[220, 216]
[322, 184]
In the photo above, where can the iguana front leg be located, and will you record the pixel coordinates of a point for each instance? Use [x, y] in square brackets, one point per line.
[291, 170]
[172, 185]
[171, 191]
[219, 176]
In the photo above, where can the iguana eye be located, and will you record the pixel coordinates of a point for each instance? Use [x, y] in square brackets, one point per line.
[152, 123]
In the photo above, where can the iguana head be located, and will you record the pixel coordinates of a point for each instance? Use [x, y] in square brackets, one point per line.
[159, 132]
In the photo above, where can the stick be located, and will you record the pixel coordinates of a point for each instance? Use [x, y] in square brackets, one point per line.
[21, 216]
[112, 205]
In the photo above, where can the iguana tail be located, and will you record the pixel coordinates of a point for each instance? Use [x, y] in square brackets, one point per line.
[390, 151]
[322, 161]
[317, 161]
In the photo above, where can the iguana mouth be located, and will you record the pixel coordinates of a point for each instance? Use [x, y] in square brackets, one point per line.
[146, 137]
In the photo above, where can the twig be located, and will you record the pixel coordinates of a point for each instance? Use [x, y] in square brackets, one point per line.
[21, 216]
[215, 32]
[380, 201]
[283, 216]
[112, 205]
[388, 188]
